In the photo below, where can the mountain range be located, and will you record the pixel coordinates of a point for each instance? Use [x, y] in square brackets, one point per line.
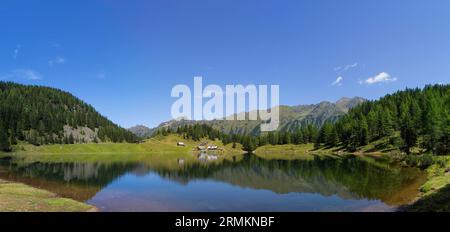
[291, 117]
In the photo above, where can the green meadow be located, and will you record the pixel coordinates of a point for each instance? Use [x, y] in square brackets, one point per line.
[161, 149]
[17, 197]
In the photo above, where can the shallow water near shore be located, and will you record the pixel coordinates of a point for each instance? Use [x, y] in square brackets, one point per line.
[249, 183]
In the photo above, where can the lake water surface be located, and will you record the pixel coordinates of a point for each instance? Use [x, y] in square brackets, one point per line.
[246, 184]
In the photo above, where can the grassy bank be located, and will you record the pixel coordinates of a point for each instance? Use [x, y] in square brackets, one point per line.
[161, 144]
[435, 193]
[290, 152]
[307, 151]
[159, 150]
[16, 197]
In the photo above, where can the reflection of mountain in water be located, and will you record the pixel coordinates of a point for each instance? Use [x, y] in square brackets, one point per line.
[349, 177]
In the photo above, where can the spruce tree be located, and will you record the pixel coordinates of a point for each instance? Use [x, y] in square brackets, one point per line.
[363, 132]
[248, 144]
[432, 124]
[4, 140]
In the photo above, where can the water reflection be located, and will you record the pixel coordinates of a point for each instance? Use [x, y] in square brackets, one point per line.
[349, 178]
[205, 157]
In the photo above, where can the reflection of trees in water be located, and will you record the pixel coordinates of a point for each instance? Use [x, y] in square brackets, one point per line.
[80, 181]
[97, 174]
[349, 177]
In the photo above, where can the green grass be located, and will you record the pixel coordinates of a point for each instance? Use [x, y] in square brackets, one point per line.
[438, 175]
[288, 152]
[292, 152]
[160, 144]
[438, 201]
[101, 148]
[162, 150]
[435, 191]
[16, 197]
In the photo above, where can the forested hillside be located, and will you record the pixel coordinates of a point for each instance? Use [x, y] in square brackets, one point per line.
[42, 115]
[406, 119]
[412, 118]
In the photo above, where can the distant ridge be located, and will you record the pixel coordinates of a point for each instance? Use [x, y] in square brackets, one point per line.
[140, 131]
[291, 117]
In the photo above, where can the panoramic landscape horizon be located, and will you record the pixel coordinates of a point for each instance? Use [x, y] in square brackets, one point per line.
[255, 107]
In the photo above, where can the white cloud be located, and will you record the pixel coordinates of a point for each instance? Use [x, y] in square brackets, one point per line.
[27, 74]
[338, 81]
[346, 67]
[350, 66]
[382, 77]
[16, 51]
[57, 60]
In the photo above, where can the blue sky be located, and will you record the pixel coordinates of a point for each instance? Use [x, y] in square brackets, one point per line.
[124, 57]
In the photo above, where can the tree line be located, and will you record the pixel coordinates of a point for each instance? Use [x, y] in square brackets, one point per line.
[196, 132]
[38, 114]
[406, 119]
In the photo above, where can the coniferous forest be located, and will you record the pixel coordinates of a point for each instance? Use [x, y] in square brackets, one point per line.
[410, 118]
[406, 119]
[38, 115]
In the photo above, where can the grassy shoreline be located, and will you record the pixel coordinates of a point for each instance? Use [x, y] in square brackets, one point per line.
[158, 149]
[159, 144]
[164, 151]
[17, 197]
[435, 192]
